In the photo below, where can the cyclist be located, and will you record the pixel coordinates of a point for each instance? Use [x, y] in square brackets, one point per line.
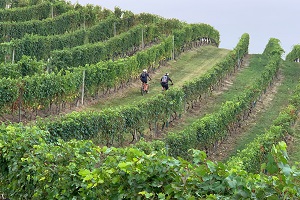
[144, 78]
[164, 81]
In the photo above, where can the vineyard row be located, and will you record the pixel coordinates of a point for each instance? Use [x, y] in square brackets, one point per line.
[33, 167]
[46, 89]
[111, 125]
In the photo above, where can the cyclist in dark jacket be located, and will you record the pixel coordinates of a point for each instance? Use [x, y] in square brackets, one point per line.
[164, 81]
[144, 78]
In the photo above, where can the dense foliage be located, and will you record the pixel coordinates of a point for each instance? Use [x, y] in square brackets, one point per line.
[273, 48]
[57, 88]
[151, 112]
[35, 12]
[45, 161]
[210, 130]
[33, 168]
[294, 55]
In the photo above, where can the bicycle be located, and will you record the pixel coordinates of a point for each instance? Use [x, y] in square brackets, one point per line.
[144, 88]
[164, 89]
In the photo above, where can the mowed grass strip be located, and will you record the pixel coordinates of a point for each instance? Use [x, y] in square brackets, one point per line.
[264, 119]
[243, 79]
[294, 147]
[189, 65]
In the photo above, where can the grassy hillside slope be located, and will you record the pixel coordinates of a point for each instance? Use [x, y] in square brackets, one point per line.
[188, 66]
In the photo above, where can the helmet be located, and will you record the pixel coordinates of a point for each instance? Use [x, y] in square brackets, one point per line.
[144, 70]
[167, 74]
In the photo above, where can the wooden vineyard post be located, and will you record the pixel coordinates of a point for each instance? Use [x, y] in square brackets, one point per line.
[20, 105]
[13, 56]
[20, 102]
[143, 45]
[184, 104]
[52, 15]
[48, 65]
[115, 31]
[173, 49]
[82, 88]
[239, 62]
[84, 24]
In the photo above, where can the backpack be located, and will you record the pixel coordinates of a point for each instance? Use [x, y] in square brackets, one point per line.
[143, 75]
[164, 79]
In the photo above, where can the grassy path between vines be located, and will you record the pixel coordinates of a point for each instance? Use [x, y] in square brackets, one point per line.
[267, 109]
[293, 146]
[188, 66]
[293, 142]
[193, 64]
[234, 86]
[291, 75]
[265, 112]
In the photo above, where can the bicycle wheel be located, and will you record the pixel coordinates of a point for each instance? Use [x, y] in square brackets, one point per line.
[142, 91]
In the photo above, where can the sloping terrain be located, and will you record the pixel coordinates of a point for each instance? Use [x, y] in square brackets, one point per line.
[119, 144]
